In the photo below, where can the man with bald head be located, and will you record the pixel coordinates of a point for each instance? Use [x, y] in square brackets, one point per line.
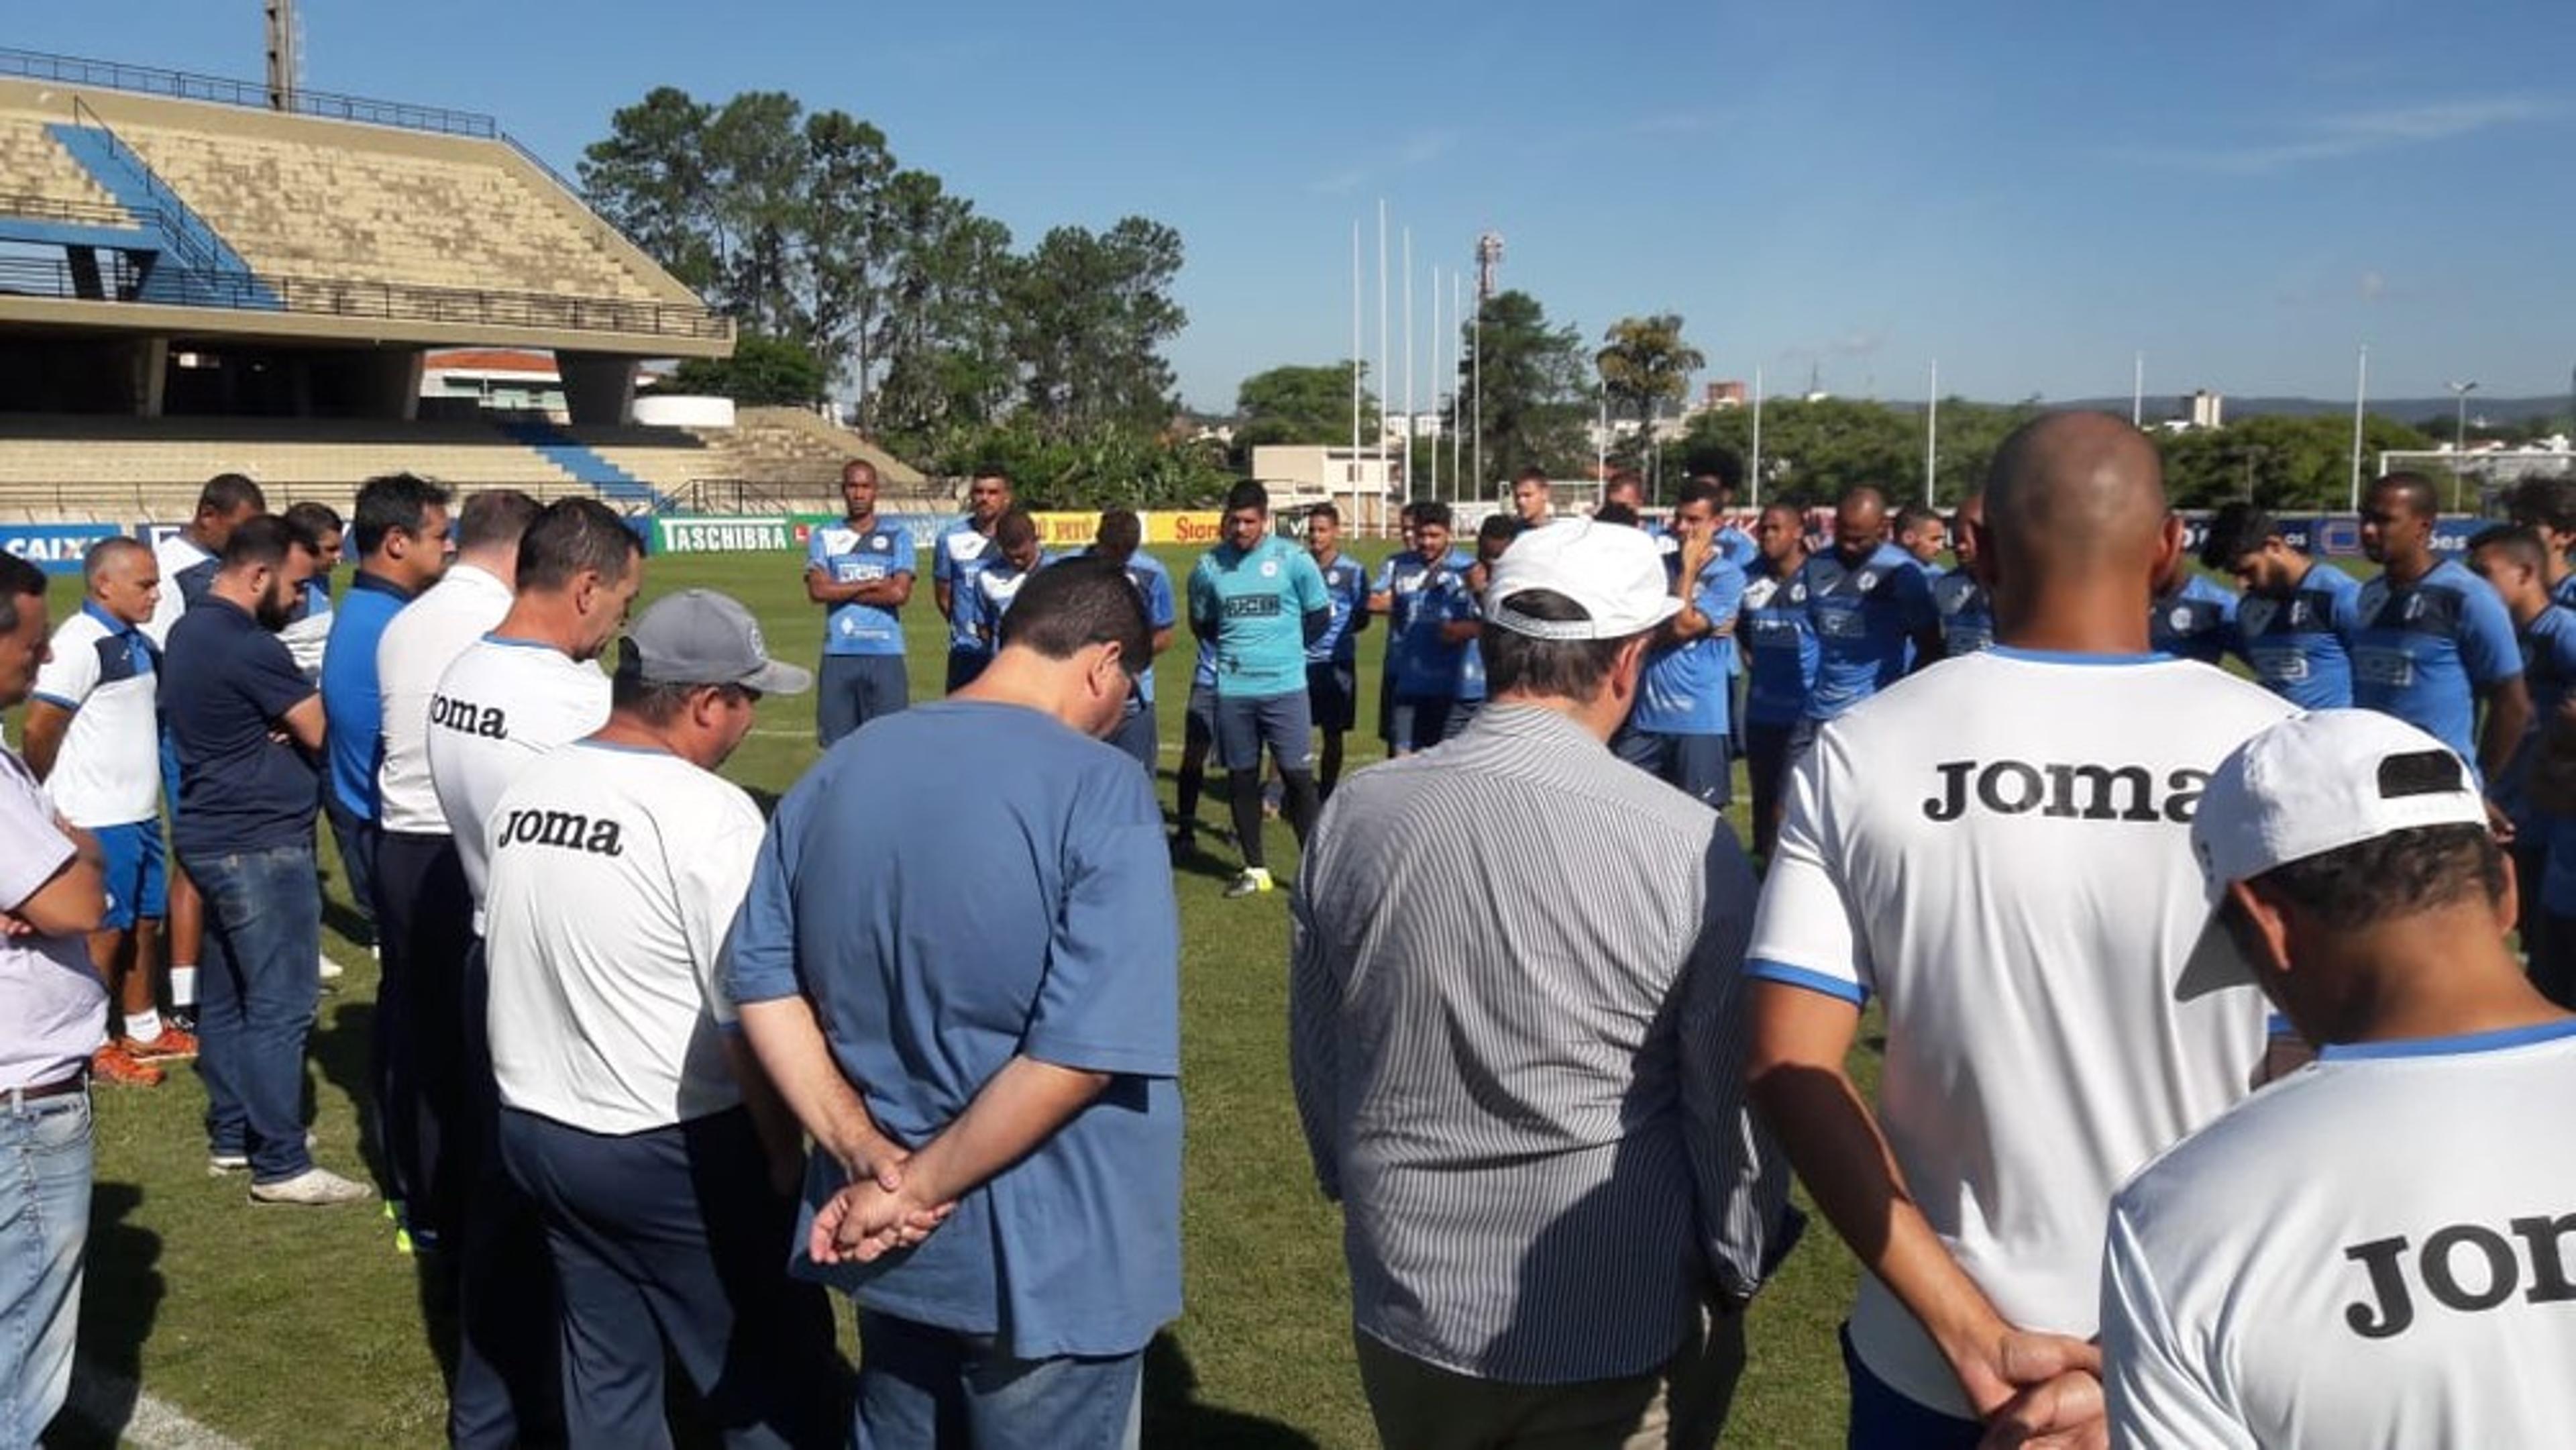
[2000, 851]
[2433, 640]
[1959, 597]
[1868, 600]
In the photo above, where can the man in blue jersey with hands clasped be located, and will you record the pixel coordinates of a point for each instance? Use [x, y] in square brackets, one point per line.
[1780, 660]
[2430, 640]
[1260, 601]
[1868, 600]
[962, 549]
[1119, 539]
[860, 570]
[1410, 592]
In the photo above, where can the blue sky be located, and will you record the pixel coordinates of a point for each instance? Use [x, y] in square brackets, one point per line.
[2028, 192]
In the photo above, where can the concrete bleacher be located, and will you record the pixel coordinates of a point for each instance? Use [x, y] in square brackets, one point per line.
[330, 201]
[65, 469]
[34, 168]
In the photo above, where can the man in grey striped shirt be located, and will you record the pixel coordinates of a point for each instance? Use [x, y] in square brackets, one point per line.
[1516, 1042]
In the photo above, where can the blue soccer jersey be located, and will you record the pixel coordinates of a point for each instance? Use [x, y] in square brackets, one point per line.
[2564, 592]
[959, 551]
[2296, 645]
[1153, 584]
[1346, 583]
[1426, 664]
[1684, 691]
[2194, 622]
[1866, 617]
[847, 555]
[1453, 602]
[986, 597]
[2422, 652]
[1737, 547]
[1257, 601]
[2548, 643]
[1967, 615]
[1780, 645]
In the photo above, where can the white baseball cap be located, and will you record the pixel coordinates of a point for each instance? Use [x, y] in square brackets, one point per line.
[2321, 782]
[1612, 570]
[2306, 786]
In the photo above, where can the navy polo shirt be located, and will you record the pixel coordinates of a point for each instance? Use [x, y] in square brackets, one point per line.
[225, 683]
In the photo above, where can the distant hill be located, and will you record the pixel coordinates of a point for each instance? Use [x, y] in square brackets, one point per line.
[2405, 410]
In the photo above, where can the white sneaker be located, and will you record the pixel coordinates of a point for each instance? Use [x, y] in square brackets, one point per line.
[314, 1187]
[331, 970]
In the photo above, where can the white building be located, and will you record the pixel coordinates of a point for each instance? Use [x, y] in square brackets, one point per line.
[1361, 483]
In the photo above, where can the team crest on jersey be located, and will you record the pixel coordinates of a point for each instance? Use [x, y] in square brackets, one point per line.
[1269, 568]
[876, 541]
[1867, 579]
[1798, 593]
[2180, 619]
[2414, 607]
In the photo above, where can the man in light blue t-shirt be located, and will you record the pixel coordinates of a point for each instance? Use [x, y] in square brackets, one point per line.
[1678, 730]
[962, 548]
[860, 570]
[1260, 601]
[2430, 640]
[993, 1091]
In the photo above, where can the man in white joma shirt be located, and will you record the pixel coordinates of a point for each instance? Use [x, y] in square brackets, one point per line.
[93, 738]
[530, 685]
[1998, 849]
[424, 914]
[2374, 1251]
[663, 1164]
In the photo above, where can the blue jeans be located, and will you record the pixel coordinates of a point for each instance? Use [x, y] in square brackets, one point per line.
[44, 1226]
[921, 1388]
[357, 838]
[256, 992]
[1882, 1418]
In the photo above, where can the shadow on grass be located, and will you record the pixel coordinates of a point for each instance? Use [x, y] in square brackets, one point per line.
[1173, 1415]
[121, 1292]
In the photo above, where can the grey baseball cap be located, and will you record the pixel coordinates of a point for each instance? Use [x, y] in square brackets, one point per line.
[700, 637]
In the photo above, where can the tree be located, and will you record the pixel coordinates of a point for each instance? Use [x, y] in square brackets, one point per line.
[842, 236]
[649, 179]
[1300, 404]
[1531, 385]
[1089, 314]
[1645, 366]
[763, 372]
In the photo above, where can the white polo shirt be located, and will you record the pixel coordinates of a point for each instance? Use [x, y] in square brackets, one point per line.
[174, 555]
[2375, 1251]
[108, 675]
[1999, 848]
[606, 1017]
[412, 654]
[53, 1009]
[504, 703]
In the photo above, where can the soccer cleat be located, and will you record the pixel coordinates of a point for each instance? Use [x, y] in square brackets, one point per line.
[117, 1063]
[329, 970]
[174, 1044]
[312, 1188]
[1252, 882]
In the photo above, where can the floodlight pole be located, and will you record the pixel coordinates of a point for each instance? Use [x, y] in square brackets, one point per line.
[2360, 391]
[2459, 435]
[1757, 438]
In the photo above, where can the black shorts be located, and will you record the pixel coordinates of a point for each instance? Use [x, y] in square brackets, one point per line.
[1333, 693]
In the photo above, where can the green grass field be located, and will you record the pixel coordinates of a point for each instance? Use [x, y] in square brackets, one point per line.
[290, 1327]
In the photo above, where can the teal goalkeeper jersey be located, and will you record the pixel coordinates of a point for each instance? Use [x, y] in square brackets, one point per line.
[1258, 601]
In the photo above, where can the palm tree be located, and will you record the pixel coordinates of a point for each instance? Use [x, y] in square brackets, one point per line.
[1645, 365]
